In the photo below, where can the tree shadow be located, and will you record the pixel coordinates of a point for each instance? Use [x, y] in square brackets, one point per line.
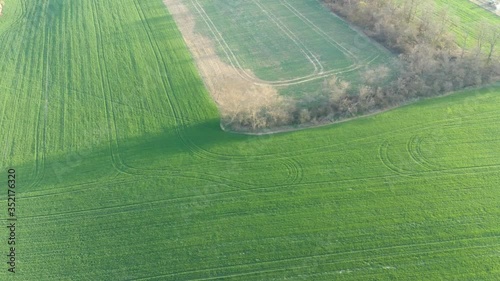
[161, 154]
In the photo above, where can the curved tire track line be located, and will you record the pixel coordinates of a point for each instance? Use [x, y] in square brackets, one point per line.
[91, 211]
[179, 124]
[310, 151]
[414, 147]
[319, 31]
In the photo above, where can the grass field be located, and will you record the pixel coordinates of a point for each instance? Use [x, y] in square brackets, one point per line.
[292, 45]
[470, 18]
[124, 174]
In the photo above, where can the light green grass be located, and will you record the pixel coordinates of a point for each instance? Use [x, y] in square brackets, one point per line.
[124, 174]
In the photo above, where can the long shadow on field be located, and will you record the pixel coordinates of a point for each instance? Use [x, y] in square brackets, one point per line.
[169, 150]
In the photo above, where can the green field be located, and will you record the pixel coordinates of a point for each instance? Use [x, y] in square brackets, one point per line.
[293, 45]
[124, 174]
[469, 17]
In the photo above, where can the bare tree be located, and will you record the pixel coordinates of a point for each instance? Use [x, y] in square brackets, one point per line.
[492, 37]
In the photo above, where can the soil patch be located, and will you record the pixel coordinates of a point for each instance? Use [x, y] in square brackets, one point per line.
[231, 91]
